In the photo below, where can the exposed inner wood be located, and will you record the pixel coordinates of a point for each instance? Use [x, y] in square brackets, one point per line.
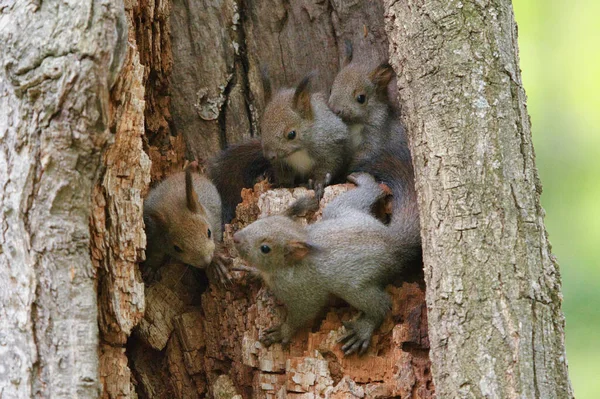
[191, 85]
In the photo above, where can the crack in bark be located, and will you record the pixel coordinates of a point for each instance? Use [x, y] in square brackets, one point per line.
[243, 56]
[533, 353]
[222, 119]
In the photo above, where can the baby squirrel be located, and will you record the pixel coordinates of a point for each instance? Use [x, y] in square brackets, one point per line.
[303, 138]
[359, 95]
[302, 141]
[182, 217]
[349, 253]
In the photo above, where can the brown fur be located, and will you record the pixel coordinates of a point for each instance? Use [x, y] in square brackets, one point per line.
[179, 213]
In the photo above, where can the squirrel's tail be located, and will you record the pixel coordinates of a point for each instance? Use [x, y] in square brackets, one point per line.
[238, 166]
[393, 167]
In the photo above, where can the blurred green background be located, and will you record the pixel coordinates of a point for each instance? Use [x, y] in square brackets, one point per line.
[559, 44]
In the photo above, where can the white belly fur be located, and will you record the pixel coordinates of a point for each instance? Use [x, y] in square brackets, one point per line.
[301, 161]
[356, 134]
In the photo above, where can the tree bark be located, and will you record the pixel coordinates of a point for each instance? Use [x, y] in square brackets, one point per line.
[58, 60]
[90, 115]
[203, 88]
[493, 286]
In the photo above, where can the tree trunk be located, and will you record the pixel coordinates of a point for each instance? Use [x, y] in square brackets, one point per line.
[202, 85]
[76, 161]
[58, 62]
[493, 286]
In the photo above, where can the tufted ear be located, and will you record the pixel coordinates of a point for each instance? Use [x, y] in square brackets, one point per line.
[192, 202]
[382, 75]
[347, 53]
[266, 81]
[296, 250]
[154, 222]
[301, 101]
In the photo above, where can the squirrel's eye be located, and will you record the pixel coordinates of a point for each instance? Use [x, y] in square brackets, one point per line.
[209, 233]
[291, 135]
[361, 98]
[177, 249]
[265, 249]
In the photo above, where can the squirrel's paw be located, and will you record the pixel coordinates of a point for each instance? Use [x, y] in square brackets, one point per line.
[357, 338]
[217, 271]
[252, 273]
[272, 336]
[319, 186]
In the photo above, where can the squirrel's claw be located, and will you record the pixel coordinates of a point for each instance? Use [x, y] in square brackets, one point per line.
[217, 271]
[271, 336]
[319, 187]
[354, 341]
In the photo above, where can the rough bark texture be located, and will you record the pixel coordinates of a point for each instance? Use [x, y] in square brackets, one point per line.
[58, 61]
[200, 63]
[219, 48]
[139, 118]
[189, 85]
[493, 286]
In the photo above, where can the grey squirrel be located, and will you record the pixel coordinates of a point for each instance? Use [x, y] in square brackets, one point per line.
[182, 217]
[359, 95]
[300, 132]
[349, 254]
[302, 141]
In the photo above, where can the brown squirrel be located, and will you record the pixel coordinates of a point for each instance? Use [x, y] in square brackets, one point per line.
[359, 95]
[182, 217]
[349, 254]
[302, 141]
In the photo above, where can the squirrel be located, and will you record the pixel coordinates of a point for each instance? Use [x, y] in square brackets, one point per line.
[348, 253]
[302, 141]
[359, 95]
[182, 218]
[300, 131]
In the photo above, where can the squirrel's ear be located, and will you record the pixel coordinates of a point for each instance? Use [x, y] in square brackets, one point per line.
[297, 250]
[301, 101]
[192, 202]
[154, 222]
[382, 75]
[266, 81]
[347, 53]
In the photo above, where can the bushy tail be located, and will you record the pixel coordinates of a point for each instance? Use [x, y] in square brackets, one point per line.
[235, 168]
[393, 167]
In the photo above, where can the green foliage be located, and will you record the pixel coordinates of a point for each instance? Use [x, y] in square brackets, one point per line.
[560, 60]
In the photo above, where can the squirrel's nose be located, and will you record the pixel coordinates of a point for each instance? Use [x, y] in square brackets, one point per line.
[337, 111]
[271, 155]
[236, 238]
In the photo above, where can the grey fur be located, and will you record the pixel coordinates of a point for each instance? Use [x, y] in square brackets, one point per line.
[322, 139]
[374, 124]
[349, 254]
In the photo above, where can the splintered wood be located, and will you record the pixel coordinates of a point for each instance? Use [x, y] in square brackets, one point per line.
[194, 347]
